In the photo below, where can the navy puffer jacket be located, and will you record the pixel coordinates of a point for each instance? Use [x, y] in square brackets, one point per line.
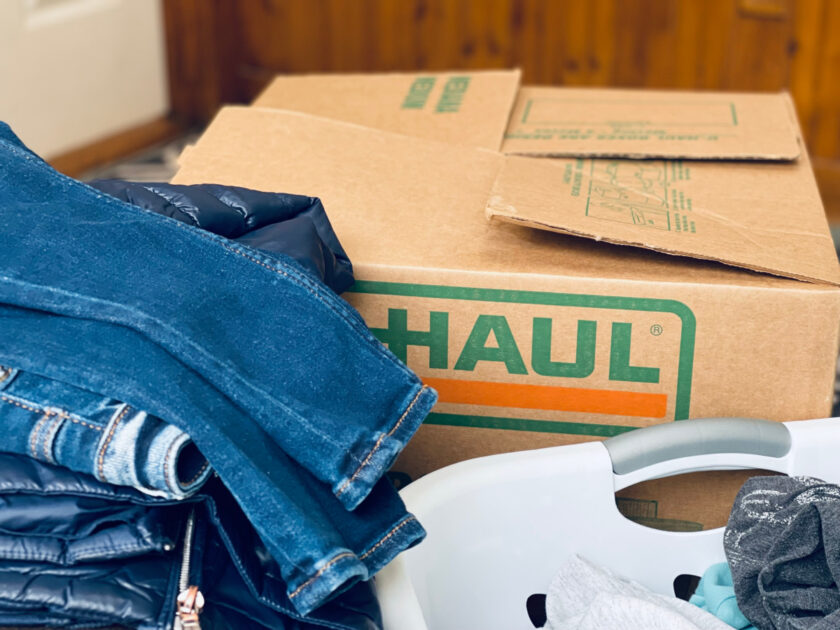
[77, 553]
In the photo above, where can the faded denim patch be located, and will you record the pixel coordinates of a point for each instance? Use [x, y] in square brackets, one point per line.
[86, 432]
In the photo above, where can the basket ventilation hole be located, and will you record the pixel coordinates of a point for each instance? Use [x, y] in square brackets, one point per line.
[535, 605]
[685, 585]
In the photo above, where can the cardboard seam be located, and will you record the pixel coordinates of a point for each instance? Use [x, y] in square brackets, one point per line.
[802, 286]
[670, 252]
[650, 155]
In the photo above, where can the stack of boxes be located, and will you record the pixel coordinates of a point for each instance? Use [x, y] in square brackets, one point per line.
[563, 264]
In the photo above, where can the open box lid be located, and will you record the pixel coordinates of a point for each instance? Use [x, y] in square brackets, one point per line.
[550, 121]
[762, 216]
[762, 212]
[396, 200]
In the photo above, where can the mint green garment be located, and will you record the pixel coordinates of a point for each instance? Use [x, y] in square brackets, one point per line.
[716, 594]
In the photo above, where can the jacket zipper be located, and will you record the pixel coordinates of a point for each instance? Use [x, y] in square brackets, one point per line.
[190, 600]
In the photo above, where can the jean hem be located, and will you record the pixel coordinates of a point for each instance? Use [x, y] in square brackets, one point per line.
[345, 568]
[352, 490]
[177, 488]
[404, 535]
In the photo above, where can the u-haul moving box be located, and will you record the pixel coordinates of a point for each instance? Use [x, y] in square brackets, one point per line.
[558, 300]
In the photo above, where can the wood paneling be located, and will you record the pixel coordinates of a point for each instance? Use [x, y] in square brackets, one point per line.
[227, 51]
[827, 173]
[202, 54]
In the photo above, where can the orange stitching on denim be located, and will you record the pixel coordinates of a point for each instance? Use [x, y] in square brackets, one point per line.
[376, 446]
[386, 537]
[85, 424]
[42, 410]
[347, 554]
[33, 438]
[252, 259]
[101, 465]
[303, 282]
[320, 572]
[21, 405]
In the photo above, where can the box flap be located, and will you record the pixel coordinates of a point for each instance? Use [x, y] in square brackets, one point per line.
[550, 121]
[765, 217]
[407, 202]
[460, 107]
[389, 197]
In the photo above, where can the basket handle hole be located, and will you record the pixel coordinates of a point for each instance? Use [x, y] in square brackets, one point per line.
[535, 605]
[685, 585]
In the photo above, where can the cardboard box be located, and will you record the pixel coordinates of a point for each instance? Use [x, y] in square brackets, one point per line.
[538, 337]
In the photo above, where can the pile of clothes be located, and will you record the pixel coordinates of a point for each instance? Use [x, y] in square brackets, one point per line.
[782, 545]
[196, 426]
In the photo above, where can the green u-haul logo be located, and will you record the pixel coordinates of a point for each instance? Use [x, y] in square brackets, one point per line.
[538, 361]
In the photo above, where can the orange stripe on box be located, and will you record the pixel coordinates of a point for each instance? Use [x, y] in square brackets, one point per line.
[606, 401]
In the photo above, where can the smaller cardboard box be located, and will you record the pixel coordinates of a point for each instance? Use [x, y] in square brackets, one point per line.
[552, 301]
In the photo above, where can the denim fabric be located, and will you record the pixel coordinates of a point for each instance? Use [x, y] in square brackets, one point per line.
[61, 424]
[277, 380]
[143, 451]
[77, 553]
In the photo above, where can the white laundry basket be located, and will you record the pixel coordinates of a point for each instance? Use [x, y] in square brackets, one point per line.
[500, 527]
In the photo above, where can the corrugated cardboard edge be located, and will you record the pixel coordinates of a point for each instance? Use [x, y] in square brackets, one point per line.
[764, 157]
[324, 75]
[492, 213]
[184, 155]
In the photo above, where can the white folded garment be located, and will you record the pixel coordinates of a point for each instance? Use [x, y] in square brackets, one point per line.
[584, 596]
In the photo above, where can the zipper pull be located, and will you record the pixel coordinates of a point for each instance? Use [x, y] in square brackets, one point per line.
[190, 600]
[190, 603]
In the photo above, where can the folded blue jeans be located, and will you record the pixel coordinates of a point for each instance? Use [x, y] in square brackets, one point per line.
[276, 379]
[86, 432]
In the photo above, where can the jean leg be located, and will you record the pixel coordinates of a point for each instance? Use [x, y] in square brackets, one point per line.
[259, 328]
[320, 546]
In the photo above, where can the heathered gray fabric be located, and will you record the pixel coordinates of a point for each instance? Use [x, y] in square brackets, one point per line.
[584, 596]
[783, 546]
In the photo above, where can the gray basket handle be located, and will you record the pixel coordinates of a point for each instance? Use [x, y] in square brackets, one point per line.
[686, 438]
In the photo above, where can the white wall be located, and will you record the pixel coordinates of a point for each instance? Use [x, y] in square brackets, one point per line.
[74, 71]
